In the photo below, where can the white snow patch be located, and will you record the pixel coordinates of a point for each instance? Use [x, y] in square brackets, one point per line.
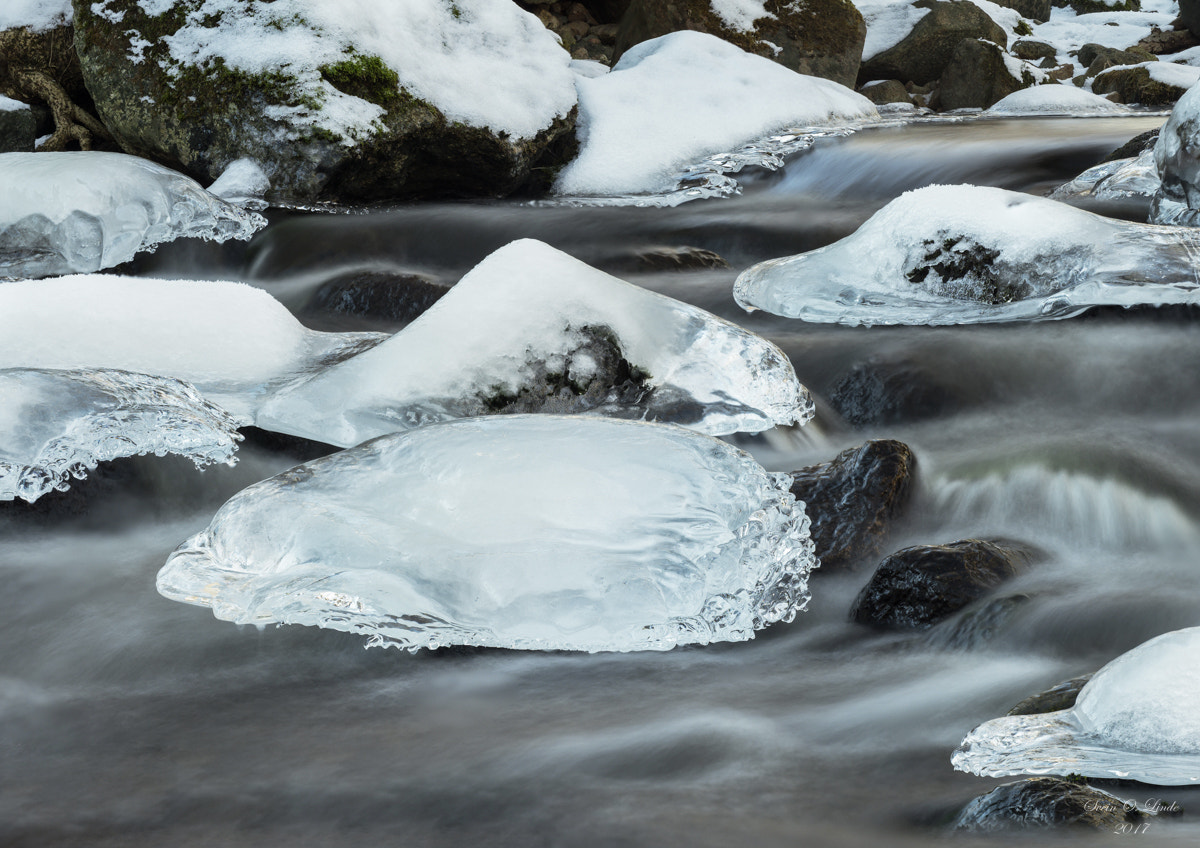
[37, 15]
[888, 23]
[671, 101]
[7, 104]
[740, 14]
[1057, 99]
[589, 69]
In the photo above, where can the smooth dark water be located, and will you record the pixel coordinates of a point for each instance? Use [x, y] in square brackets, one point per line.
[129, 720]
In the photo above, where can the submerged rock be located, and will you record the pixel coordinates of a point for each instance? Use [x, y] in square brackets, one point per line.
[1045, 802]
[823, 38]
[380, 295]
[350, 103]
[533, 532]
[854, 499]
[919, 586]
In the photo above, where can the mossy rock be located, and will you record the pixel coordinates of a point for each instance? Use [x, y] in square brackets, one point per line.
[823, 38]
[1134, 85]
[1087, 7]
[924, 53]
[199, 118]
[977, 76]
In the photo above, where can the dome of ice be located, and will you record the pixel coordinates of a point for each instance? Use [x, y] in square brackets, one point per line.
[523, 531]
[967, 254]
[67, 213]
[1138, 718]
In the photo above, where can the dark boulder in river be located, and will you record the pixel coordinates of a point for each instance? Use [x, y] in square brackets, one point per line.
[1047, 802]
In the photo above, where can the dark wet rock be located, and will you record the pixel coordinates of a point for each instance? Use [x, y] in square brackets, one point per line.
[1098, 58]
[977, 76]
[198, 118]
[1044, 802]
[823, 38]
[1061, 696]
[1032, 51]
[979, 623]
[924, 53]
[1135, 146]
[885, 91]
[882, 391]
[380, 295]
[1134, 85]
[854, 499]
[18, 130]
[1035, 10]
[1189, 16]
[919, 586]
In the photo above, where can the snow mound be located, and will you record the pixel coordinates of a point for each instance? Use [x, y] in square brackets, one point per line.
[532, 329]
[1135, 720]
[233, 342]
[37, 15]
[531, 531]
[966, 254]
[1055, 99]
[56, 425]
[671, 101]
[65, 213]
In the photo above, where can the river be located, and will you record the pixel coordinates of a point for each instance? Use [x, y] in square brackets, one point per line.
[129, 720]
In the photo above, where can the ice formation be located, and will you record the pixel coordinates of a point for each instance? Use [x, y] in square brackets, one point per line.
[232, 341]
[524, 531]
[1175, 154]
[671, 101]
[531, 329]
[65, 213]
[242, 183]
[965, 254]
[1137, 719]
[1134, 177]
[1055, 99]
[56, 425]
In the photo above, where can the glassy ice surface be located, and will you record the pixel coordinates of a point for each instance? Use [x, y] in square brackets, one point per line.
[1136, 719]
[1135, 177]
[233, 342]
[968, 254]
[67, 213]
[531, 329]
[530, 531]
[56, 425]
[1175, 154]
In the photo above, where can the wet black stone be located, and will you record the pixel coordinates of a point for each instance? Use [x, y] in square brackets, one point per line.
[1061, 696]
[854, 499]
[379, 295]
[1135, 146]
[1047, 802]
[891, 392]
[919, 586]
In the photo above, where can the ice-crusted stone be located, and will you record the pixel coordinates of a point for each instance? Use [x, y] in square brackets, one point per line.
[67, 213]
[533, 329]
[235, 343]
[57, 425]
[967, 254]
[1177, 155]
[531, 531]
[1136, 719]
[1120, 178]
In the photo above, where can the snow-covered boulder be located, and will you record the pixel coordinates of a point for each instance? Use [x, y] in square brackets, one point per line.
[1148, 83]
[931, 30]
[82, 211]
[823, 38]
[334, 100]
[528, 531]
[17, 126]
[674, 100]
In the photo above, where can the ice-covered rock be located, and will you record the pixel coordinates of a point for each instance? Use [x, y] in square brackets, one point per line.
[674, 100]
[232, 341]
[66, 213]
[1177, 155]
[1055, 100]
[1132, 177]
[531, 329]
[530, 531]
[57, 425]
[243, 183]
[1136, 719]
[966, 254]
[335, 100]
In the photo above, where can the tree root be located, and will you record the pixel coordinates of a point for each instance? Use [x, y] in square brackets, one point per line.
[71, 122]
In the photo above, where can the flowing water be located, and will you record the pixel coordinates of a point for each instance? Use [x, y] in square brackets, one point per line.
[126, 719]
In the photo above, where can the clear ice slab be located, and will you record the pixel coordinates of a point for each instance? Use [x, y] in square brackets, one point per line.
[1115, 180]
[1136, 719]
[70, 213]
[531, 329]
[524, 531]
[57, 425]
[233, 342]
[966, 254]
